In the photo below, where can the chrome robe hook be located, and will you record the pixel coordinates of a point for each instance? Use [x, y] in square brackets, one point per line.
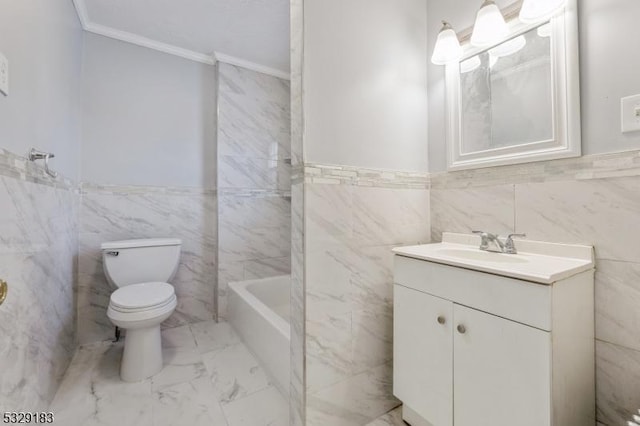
[35, 154]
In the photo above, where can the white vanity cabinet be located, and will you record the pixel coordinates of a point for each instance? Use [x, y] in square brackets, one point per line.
[478, 349]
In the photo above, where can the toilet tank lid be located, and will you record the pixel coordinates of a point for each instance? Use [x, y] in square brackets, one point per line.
[148, 242]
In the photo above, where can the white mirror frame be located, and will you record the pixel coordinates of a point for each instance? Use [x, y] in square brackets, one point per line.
[566, 141]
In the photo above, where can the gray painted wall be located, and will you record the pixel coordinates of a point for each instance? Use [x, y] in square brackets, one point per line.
[608, 68]
[148, 117]
[365, 97]
[43, 42]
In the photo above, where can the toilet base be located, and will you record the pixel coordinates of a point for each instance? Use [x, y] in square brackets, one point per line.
[142, 356]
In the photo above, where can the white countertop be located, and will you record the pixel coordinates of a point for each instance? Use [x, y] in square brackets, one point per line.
[536, 261]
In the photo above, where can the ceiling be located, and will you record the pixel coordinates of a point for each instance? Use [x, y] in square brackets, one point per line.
[251, 33]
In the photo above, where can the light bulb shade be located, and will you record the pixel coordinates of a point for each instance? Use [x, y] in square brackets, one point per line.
[469, 65]
[447, 48]
[490, 26]
[544, 30]
[508, 47]
[533, 11]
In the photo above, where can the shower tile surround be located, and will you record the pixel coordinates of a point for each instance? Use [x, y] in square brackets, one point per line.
[254, 177]
[38, 249]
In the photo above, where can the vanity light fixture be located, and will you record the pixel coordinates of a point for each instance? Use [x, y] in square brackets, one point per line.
[447, 48]
[508, 47]
[490, 26]
[533, 11]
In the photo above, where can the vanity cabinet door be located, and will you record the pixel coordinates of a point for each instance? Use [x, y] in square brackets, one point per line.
[423, 354]
[502, 371]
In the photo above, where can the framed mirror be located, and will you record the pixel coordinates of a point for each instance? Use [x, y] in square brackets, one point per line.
[517, 101]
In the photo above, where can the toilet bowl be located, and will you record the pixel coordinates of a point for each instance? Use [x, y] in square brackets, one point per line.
[140, 269]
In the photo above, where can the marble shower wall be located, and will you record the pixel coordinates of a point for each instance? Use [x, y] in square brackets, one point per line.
[592, 200]
[254, 177]
[352, 220]
[38, 251]
[296, 389]
[110, 213]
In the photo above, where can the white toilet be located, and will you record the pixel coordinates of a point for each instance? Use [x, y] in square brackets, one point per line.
[140, 270]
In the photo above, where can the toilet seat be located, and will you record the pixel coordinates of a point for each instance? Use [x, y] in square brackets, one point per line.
[142, 297]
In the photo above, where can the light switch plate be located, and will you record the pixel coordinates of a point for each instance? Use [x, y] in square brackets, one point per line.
[4, 75]
[630, 114]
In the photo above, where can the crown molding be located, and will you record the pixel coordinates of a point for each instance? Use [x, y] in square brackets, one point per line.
[149, 43]
[81, 10]
[138, 40]
[232, 60]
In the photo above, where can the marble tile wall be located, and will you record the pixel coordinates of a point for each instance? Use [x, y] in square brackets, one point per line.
[254, 177]
[110, 213]
[297, 397]
[350, 227]
[593, 201]
[38, 252]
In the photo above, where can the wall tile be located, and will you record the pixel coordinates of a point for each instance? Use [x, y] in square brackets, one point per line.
[247, 172]
[349, 231]
[329, 215]
[618, 303]
[617, 383]
[297, 391]
[262, 268]
[38, 249]
[328, 351]
[254, 114]
[254, 177]
[597, 212]
[344, 404]
[146, 213]
[489, 209]
[390, 216]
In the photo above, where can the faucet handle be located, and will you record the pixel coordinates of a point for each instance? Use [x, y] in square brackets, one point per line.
[509, 245]
[484, 242]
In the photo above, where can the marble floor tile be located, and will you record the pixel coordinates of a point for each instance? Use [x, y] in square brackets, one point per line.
[263, 408]
[191, 403]
[180, 366]
[211, 336]
[183, 393]
[234, 372]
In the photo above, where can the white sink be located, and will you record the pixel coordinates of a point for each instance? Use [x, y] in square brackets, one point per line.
[482, 256]
[536, 261]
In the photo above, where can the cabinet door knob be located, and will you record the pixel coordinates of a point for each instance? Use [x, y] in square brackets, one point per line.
[441, 320]
[461, 329]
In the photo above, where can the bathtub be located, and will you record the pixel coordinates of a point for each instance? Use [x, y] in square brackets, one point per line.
[259, 312]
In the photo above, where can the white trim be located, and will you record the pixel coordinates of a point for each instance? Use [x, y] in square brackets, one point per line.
[566, 140]
[138, 40]
[81, 10]
[148, 43]
[232, 60]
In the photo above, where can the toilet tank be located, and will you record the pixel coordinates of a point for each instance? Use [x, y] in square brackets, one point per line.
[138, 261]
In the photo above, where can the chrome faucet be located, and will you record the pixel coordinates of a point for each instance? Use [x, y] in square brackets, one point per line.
[491, 242]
